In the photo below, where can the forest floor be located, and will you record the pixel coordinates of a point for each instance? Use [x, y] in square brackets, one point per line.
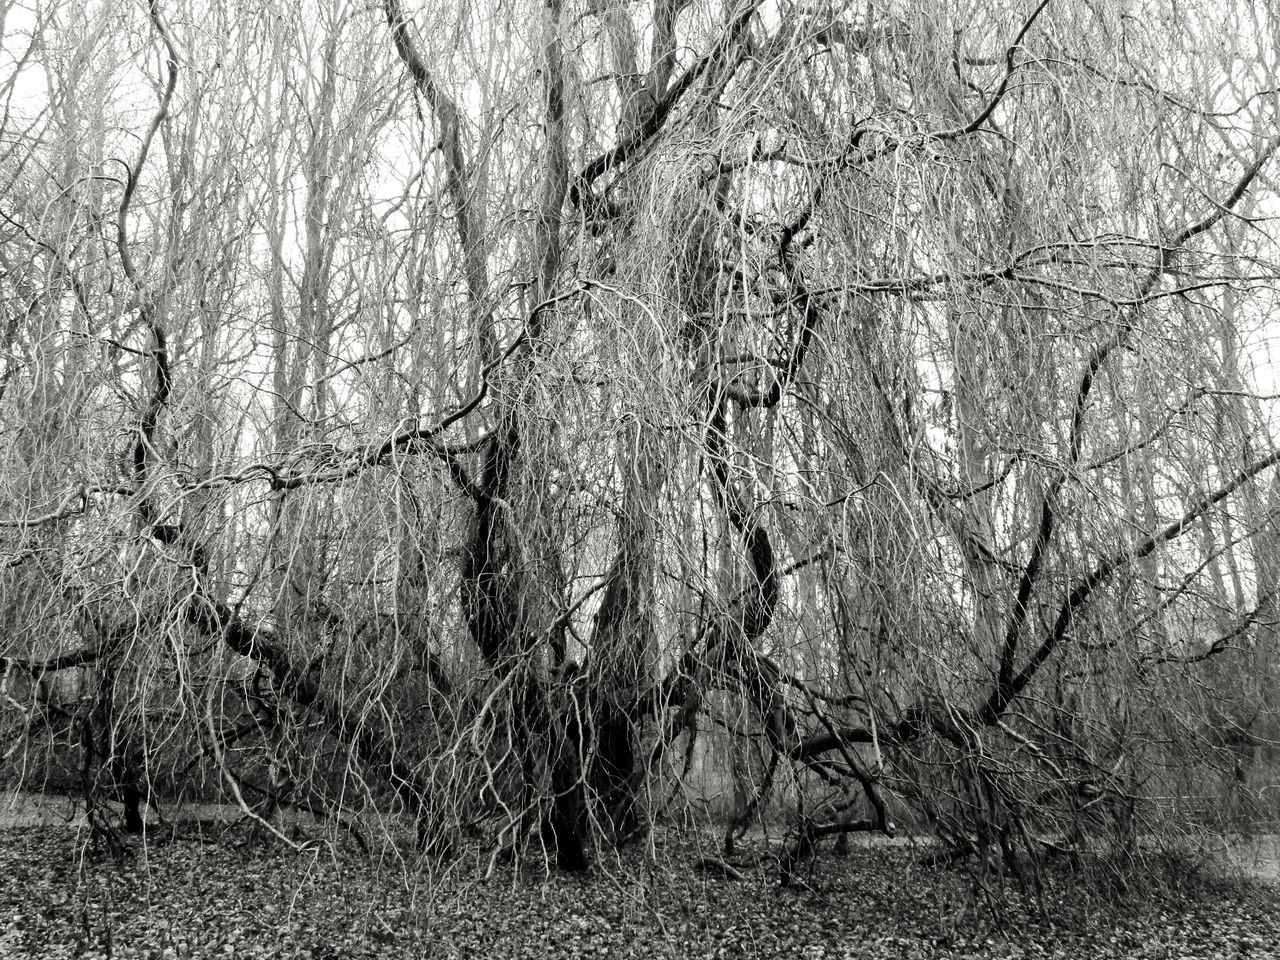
[208, 889]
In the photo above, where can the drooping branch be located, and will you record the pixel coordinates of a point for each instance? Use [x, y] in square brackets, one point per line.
[1223, 641]
[1083, 587]
[72, 504]
[914, 723]
[580, 190]
[1011, 67]
[301, 684]
[1007, 686]
[423, 436]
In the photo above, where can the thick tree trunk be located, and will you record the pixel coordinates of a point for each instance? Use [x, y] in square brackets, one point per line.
[496, 596]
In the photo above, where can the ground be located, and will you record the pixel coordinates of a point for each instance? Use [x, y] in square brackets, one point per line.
[210, 889]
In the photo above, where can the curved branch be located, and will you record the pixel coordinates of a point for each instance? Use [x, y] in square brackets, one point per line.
[144, 446]
[415, 436]
[1010, 68]
[469, 220]
[580, 192]
[135, 171]
[1007, 685]
[73, 504]
[1083, 588]
[428, 436]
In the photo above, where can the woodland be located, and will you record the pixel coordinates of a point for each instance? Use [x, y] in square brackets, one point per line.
[559, 443]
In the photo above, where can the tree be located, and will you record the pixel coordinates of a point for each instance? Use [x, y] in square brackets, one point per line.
[462, 403]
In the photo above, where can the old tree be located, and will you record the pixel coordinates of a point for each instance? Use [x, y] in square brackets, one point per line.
[521, 420]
